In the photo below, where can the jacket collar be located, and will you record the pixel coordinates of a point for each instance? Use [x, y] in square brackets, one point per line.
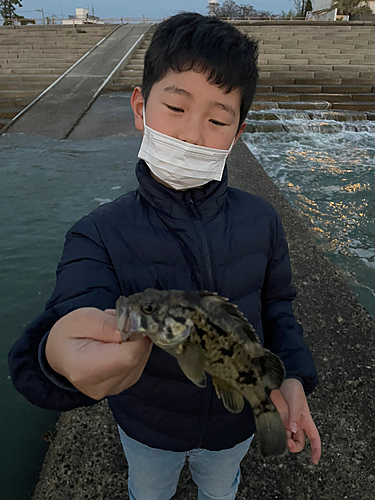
[207, 200]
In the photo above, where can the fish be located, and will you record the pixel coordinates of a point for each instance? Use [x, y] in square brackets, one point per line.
[208, 334]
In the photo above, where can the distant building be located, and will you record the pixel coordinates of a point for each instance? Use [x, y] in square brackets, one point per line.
[82, 17]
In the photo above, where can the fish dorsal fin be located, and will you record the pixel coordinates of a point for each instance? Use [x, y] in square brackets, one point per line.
[271, 369]
[232, 400]
[237, 315]
[245, 331]
[191, 362]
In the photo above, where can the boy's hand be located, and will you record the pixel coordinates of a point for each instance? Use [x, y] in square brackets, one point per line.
[290, 400]
[86, 348]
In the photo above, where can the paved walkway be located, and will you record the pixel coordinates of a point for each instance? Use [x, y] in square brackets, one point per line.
[59, 110]
[85, 459]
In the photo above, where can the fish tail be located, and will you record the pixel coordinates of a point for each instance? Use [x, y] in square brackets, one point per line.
[271, 431]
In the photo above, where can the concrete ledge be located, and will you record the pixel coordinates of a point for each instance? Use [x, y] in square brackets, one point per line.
[85, 459]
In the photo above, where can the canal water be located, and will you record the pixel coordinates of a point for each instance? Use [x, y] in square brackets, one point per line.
[46, 185]
[324, 163]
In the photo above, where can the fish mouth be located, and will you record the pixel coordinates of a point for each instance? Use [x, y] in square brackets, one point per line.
[128, 321]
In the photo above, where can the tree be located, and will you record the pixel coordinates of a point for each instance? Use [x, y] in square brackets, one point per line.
[8, 11]
[300, 7]
[349, 7]
[229, 9]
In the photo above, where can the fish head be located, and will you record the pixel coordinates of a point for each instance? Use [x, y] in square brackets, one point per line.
[155, 314]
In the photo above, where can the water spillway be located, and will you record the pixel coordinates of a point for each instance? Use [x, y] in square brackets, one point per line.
[324, 164]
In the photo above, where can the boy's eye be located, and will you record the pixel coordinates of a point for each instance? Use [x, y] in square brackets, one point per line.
[220, 124]
[176, 110]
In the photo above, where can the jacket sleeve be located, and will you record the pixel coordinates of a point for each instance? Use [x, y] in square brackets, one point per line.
[282, 334]
[85, 278]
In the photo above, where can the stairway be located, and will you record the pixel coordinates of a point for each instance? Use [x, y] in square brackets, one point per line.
[131, 75]
[308, 65]
[32, 57]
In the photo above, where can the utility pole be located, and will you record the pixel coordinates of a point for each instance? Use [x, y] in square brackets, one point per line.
[42, 11]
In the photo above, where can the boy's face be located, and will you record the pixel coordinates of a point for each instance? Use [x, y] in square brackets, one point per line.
[189, 108]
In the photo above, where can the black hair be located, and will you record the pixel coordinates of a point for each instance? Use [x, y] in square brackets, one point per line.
[190, 41]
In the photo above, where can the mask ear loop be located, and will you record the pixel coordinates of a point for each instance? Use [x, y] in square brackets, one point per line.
[144, 115]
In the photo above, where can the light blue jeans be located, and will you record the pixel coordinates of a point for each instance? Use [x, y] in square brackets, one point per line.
[154, 473]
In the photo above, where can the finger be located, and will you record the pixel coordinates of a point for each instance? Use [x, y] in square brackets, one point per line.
[94, 324]
[315, 442]
[297, 441]
[110, 311]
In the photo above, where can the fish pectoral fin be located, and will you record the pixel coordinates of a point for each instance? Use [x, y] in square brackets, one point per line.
[232, 400]
[191, 362]
[271, 368]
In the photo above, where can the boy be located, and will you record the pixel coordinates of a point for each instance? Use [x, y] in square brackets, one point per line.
[181, 229]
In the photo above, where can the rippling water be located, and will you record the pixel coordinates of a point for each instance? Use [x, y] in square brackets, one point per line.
[330, 179]
[45, 186]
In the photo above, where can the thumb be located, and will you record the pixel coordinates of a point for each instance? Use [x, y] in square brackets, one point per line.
[94, 324]
[109, 328]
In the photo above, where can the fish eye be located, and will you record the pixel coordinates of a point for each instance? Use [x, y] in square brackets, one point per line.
[148, 308]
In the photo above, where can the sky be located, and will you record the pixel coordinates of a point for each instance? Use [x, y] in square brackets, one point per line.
[137, 8]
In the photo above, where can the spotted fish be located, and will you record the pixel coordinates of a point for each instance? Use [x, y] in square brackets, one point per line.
[208, 334]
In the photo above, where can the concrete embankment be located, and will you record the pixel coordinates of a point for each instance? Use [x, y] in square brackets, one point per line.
[33, 57]
[85, 459]
[56, 111]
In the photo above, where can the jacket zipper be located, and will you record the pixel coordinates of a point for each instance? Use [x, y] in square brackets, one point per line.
[208, 284]
[208, 281]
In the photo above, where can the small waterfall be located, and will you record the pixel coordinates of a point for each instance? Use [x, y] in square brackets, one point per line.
[308, 121]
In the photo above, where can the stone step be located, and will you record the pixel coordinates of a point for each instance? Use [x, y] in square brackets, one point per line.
[9, 112]
[40, 64]
[20, 85]
[23, 94]
[302, 105]
[134, 66]
[30, 71]
[131, 73]
[27, 78]
[273, 97]
[360, 89]
[121, 87]
[37, 55]
[364, 97]
[20, 102]
[128, 80]
[354, 105]
[278, 97]
[328, 89]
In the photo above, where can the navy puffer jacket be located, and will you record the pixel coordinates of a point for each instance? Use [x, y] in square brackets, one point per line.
[214, 238]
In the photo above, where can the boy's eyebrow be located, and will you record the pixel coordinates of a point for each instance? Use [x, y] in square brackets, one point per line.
[225, 107]
[172, 89]
[176, 90]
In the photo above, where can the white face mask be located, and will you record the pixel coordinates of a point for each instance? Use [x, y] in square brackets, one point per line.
[180, 164]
